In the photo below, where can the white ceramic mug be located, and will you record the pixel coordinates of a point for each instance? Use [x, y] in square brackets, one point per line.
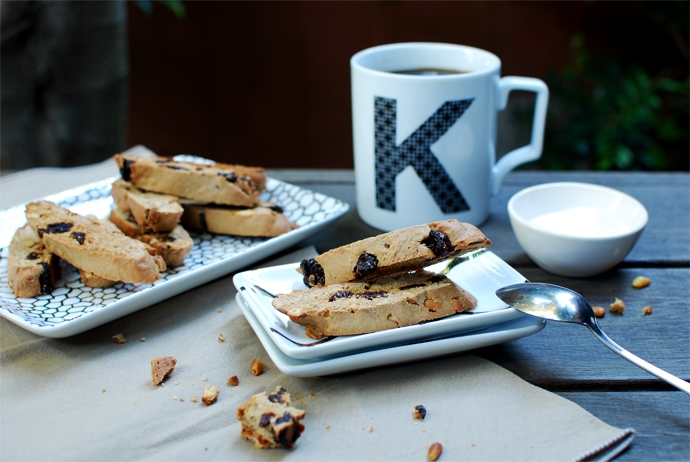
[425, 145]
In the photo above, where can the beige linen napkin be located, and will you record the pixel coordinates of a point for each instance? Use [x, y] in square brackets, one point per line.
[91, 390]
[88, 397]
[28, 185]
[37, 183]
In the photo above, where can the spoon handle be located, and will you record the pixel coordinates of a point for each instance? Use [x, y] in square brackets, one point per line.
[652, 369]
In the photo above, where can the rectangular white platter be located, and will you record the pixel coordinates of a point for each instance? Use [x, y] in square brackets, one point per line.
[72, 308]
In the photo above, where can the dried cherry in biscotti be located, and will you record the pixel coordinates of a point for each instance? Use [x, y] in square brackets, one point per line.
[438, 243]
[126, 169]
[33, 256]
[366, 264]
[373, 295]
[44, 280]
[340, 294]
[287, 434]
[277, 397]
[265, 419]
[276, 208]
[55, 228]
[78, 236]
[176, 167]
[229, 176]
[313, 272]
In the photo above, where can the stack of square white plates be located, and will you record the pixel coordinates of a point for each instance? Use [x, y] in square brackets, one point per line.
[490, 323]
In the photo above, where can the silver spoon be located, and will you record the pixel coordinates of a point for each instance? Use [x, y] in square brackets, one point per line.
[560, 304]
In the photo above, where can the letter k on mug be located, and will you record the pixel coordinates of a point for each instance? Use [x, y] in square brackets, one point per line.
[424, 132]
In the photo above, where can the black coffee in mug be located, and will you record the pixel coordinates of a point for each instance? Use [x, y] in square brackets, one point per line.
[429, 71]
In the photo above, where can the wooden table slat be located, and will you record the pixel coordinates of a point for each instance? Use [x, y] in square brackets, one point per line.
[661, 421]
[665, 241]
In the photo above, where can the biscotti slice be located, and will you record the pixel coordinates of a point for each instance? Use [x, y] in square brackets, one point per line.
[219, 183]
[269, 420]
[398, 300]
[157, 212]
[405, 249]
[31, 268]
[93, 246]
[266, 220]
[173, 246]
[125, 222]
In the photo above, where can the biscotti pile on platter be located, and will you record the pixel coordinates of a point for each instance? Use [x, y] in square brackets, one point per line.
[154, 203]
[379, 283]
[219, 198]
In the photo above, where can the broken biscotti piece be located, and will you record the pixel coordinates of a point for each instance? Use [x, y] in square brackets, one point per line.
[219, 183]
[210, 395]
[31, 268]
[399, 300]
[161, 368]
[270, 421]
[156, 212]
[406, 249]
[93, 246]
[173, 246]
[266, 220]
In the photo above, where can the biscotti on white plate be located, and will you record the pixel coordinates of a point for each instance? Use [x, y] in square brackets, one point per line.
[406, 249]
[31, 268]
[173, 246]
[379, 283]
[265, 220]
[398, 300]
[92, 246]
[156, 212]
[218, 183]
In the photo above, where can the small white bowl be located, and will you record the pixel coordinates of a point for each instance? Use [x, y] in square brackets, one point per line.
[576, 229]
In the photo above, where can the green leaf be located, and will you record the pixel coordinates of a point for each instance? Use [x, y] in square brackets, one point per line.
[177, 7]
[624, 157]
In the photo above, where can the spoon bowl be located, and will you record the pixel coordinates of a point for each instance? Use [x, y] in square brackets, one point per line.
[557, 303]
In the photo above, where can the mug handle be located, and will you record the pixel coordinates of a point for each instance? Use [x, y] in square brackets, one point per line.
[533, 150]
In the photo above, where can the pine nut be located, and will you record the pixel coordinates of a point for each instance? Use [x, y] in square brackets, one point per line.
[257, 367]
[640, 281]
[435, 451]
